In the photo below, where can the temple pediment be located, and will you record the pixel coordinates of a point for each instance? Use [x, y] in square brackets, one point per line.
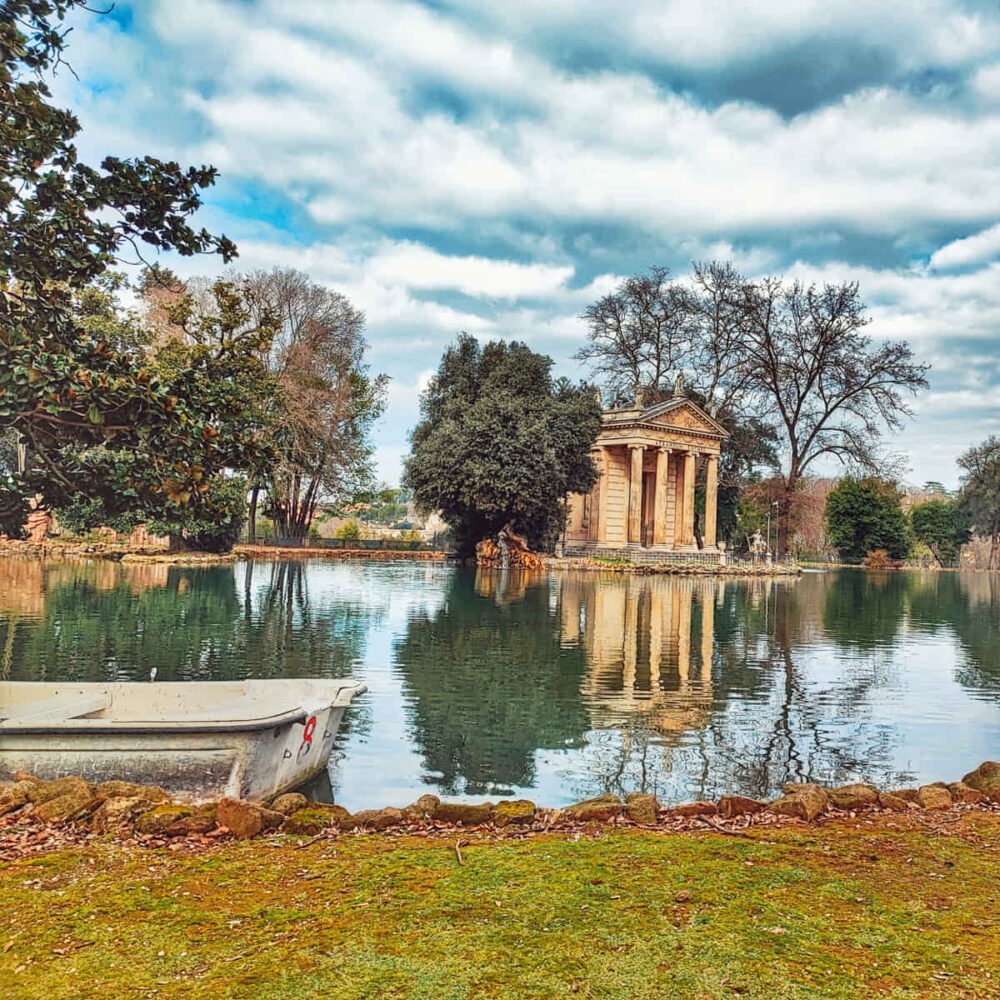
[676, 413]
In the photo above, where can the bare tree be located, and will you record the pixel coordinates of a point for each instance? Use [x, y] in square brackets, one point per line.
[639, 334]
[830, 390]
[769, 356]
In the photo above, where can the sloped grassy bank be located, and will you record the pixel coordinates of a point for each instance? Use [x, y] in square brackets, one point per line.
[821, 893]
[882, 904]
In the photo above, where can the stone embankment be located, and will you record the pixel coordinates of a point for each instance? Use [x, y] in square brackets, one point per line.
[691, 568]
[29, 806]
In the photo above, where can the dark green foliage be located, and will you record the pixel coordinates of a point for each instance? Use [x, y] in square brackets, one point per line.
[66, 386]
[941, 526]
[863, 515]
[485, 696]
[500, 441]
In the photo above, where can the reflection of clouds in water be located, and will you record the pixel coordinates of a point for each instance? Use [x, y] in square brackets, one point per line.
[555, 686]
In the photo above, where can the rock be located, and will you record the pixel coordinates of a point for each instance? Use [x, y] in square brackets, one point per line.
[316, 818]
[985, 779]
[423, 808]
[118, 813]
[26, 776]
[934, 797]
[43, 791]
[14, 796]
[76, 802]
[602, 808]
[129, 790]
[514, 812]
[739, 805]
[202, 821]
[469, 815]
[853, 796]
[806, 802]
[289, 803]
[907, 794]
[246, 819]
[694, 809]
[961, 792]
[160, 818]
[643, 808]
[807, 788]
[887, 800]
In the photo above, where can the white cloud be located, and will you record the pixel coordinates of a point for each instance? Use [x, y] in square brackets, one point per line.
[973, 249]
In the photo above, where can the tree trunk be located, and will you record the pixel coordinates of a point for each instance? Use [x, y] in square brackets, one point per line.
[176, 542]
[252, 517]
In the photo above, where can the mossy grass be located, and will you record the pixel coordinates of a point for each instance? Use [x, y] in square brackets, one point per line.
[889, 908]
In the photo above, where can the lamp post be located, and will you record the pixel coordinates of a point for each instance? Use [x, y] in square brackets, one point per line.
[773, 503]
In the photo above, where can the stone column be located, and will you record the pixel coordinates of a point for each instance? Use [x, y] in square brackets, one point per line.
[711, 499]
[604, 460]
[689, 478]
[660, 495]
[635, 494]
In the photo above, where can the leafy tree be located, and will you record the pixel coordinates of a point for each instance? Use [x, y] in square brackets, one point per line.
[979, 499]
[212, 359]
[792, 356]
[499, 441]
[863, 515]
[940, 525]
[65, 387]
[325, 403]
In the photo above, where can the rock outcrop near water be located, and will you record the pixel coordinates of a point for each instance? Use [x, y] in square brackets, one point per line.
[145, 812]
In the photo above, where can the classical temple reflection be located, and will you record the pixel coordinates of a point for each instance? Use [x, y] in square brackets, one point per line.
[649, 646]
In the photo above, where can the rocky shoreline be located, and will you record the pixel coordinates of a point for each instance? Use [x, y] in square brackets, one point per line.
[31, 809]
[590, 564]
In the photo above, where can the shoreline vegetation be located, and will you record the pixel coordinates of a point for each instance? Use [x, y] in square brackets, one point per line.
[869, 901]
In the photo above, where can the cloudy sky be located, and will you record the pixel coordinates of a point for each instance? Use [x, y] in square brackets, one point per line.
[494, 167]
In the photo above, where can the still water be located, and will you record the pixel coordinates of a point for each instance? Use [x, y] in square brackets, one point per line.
[555, 687]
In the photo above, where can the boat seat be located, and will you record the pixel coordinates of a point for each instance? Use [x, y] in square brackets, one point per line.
[57, 710]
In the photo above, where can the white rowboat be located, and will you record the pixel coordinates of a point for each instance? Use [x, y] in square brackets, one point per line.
[199, 740]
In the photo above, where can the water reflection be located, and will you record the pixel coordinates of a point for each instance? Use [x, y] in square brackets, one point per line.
[557, 686]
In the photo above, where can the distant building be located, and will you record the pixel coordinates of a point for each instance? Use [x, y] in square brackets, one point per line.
[647, 459]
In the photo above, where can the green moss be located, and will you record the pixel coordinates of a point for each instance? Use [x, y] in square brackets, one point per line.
[791, 913]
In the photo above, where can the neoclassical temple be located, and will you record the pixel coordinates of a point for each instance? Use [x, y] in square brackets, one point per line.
[647, 459]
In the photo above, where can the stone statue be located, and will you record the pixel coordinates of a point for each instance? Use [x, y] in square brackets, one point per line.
[679, 384]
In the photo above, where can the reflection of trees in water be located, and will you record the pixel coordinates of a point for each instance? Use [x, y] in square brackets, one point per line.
[190, 623]
[489, 685]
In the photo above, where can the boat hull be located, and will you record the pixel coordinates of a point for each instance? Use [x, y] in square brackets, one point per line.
[193, 761]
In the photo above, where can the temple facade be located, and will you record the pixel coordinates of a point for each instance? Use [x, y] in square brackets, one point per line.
[647, 459]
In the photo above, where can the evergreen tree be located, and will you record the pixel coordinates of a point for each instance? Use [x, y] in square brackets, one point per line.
[864, 515]
[500, 441]
[941, 526]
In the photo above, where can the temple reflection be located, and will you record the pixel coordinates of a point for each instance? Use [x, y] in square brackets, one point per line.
[649, 646]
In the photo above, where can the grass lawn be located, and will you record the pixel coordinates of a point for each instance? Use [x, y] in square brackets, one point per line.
[886, 908]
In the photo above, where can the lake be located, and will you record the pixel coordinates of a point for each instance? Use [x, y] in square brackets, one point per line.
[560, 686]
